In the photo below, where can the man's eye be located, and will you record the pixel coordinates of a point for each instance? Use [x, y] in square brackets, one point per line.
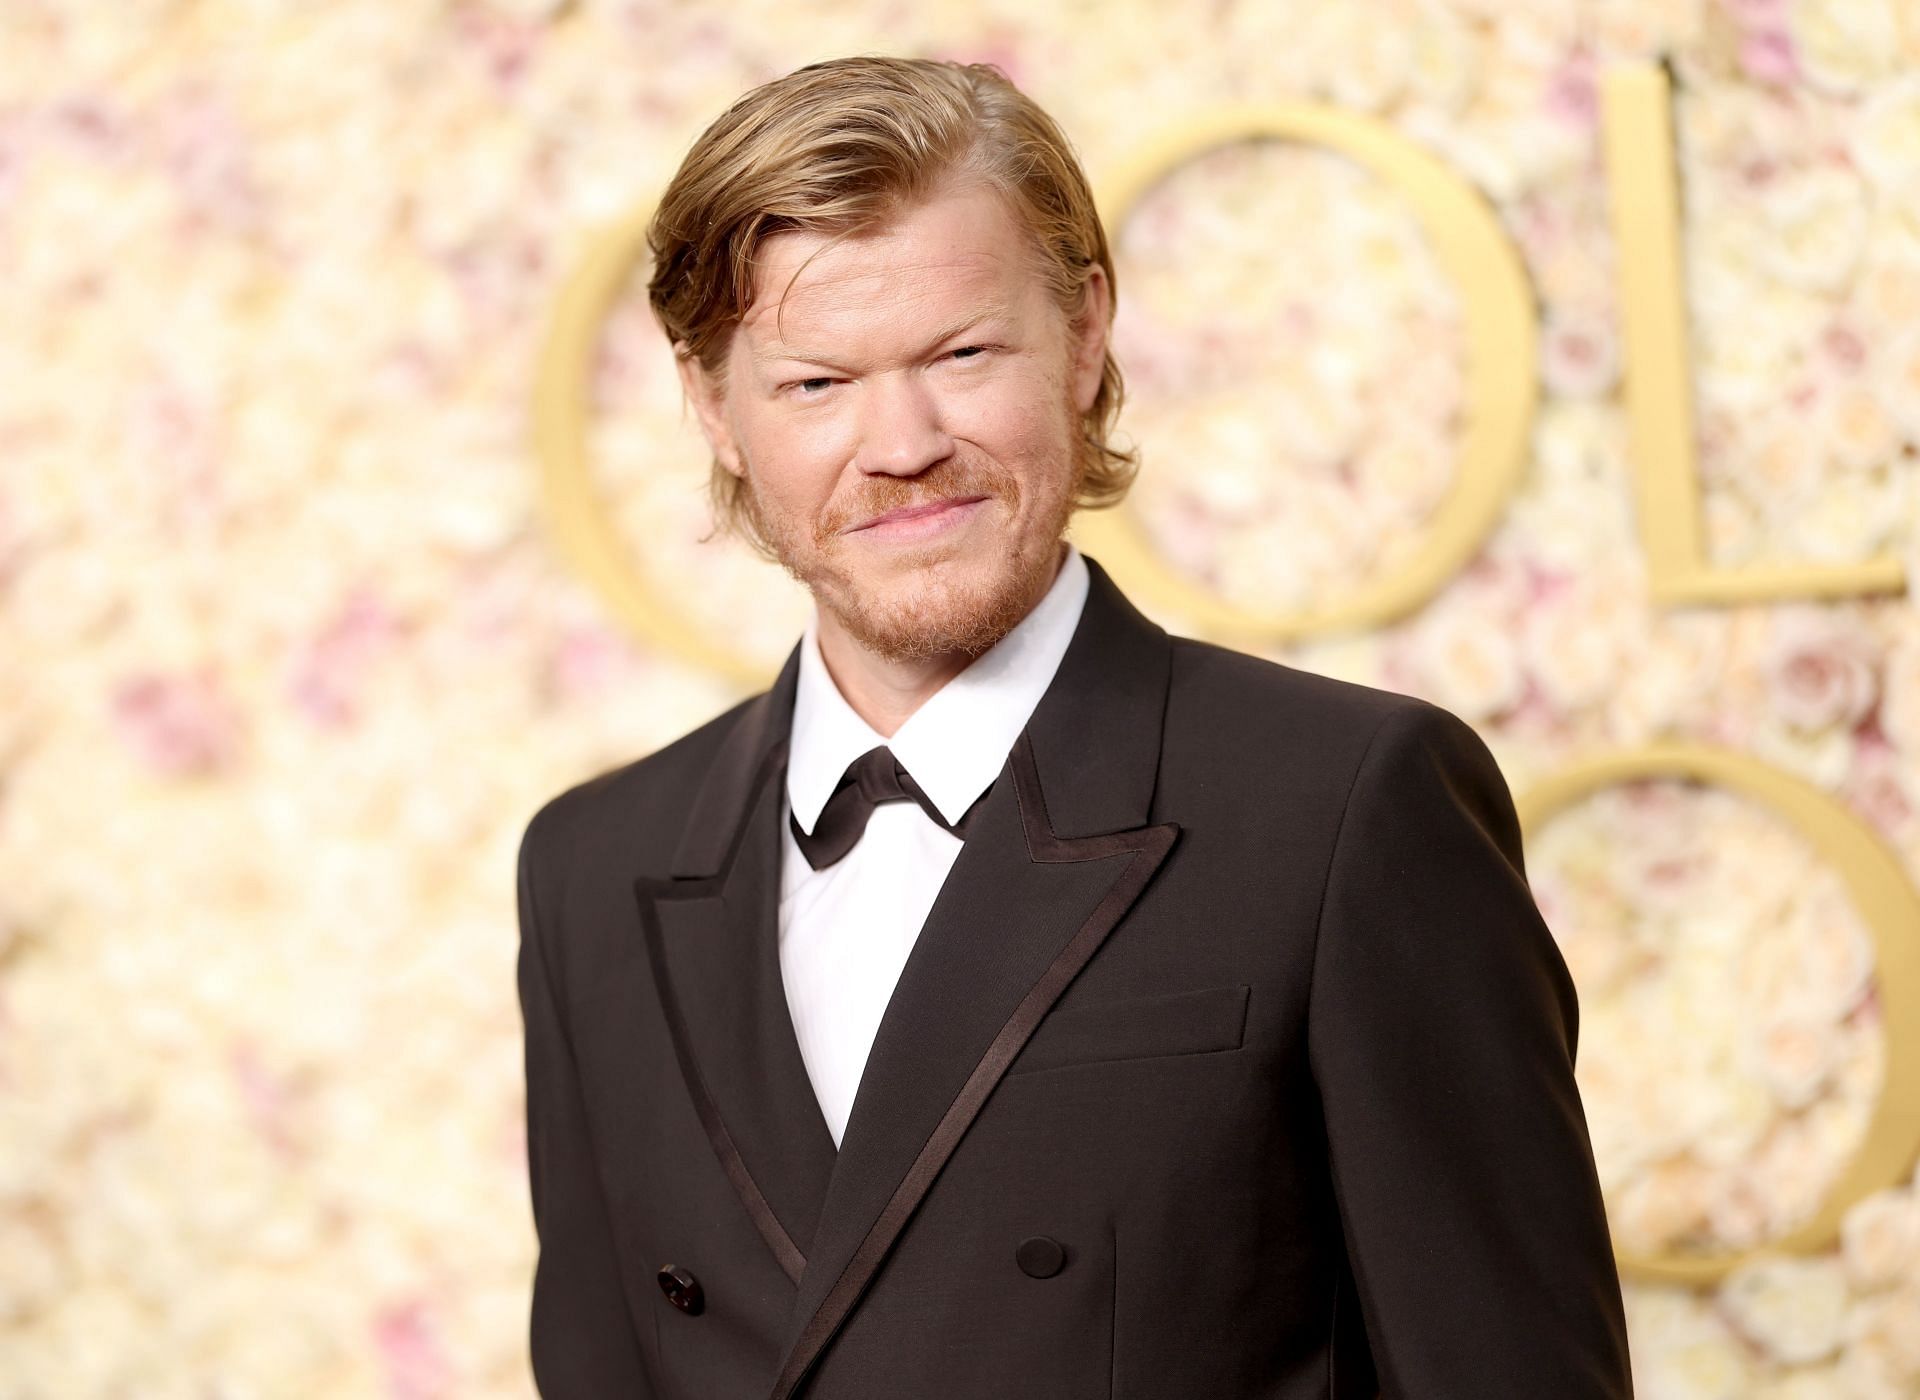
[969, 350]
[807, 386]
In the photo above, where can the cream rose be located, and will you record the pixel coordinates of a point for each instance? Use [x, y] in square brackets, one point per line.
[1880, 1238]
[1885, 1332]
[1844, 45]
[1794, 1309]
[1468, 659]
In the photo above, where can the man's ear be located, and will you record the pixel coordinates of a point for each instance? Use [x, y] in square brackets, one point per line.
[1088, 337]
[709, 406]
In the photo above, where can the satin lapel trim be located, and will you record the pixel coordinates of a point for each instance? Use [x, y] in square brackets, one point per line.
[1055, 886]
[713, 946]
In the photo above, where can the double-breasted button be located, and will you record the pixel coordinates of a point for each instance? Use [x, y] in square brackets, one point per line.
[1041, 1256]
[681, 1287]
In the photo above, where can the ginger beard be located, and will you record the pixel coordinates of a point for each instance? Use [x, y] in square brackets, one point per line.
[940, 597]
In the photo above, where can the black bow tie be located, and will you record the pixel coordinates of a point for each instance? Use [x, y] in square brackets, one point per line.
[874, 777]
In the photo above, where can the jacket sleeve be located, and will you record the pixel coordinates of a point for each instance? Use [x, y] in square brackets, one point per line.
[1442, 1026]
[581, 1332]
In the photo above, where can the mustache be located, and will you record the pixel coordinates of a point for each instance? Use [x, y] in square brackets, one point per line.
[941, 482]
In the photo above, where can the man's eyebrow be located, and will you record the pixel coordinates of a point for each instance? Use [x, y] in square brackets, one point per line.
[776, 351]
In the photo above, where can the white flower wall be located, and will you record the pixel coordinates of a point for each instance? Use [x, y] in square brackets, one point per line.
[288, 658]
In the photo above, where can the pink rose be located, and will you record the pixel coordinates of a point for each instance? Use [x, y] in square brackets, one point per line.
[326, 674]
[1820, 670]
[1767, 56]
[179, 725]
[410, 1351]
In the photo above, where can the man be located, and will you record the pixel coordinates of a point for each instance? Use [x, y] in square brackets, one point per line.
[1015, 1000]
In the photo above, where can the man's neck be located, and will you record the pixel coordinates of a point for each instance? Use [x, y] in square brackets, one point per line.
[885, 691]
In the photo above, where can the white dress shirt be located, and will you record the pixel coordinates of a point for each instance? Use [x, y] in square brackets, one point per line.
[846, 931]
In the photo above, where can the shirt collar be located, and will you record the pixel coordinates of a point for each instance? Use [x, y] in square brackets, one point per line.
[955, 743]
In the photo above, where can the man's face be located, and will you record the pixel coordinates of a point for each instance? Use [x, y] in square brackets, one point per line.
[906, 415]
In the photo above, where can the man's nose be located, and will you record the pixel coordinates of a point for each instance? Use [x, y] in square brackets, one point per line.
[901, 429]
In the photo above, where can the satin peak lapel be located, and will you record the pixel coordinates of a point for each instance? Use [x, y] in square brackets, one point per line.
[712, 939]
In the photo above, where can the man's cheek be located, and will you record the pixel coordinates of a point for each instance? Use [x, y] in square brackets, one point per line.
[1005, 422]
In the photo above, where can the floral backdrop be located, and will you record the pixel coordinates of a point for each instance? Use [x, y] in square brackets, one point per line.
[289, 658]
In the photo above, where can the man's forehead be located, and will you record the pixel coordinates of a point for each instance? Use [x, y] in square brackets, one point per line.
[852, 274]
[935, 296]
[962, 247]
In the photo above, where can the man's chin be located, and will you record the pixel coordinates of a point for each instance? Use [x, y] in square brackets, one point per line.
[943, 607]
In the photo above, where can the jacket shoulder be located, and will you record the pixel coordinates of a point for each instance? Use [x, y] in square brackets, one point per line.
[1272, 693]
[1283, 725]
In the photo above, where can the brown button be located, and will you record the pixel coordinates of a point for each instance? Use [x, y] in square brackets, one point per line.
[681, 1287]
[1040, 1256]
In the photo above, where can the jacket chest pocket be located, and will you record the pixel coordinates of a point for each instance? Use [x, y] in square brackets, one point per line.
[1131, 1028]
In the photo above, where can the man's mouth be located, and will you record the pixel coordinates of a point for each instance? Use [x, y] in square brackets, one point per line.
[901, 516]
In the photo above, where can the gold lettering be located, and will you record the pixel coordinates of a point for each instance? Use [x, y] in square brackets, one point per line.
[1637, 136]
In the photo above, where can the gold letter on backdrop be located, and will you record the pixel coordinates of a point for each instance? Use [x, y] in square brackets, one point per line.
[1879, 889]
[1498, 314]
[1637, 131]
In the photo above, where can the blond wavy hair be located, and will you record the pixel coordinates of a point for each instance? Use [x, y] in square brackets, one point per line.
[837, 148]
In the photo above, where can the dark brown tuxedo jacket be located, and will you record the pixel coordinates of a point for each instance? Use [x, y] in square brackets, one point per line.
[1233, 1060]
